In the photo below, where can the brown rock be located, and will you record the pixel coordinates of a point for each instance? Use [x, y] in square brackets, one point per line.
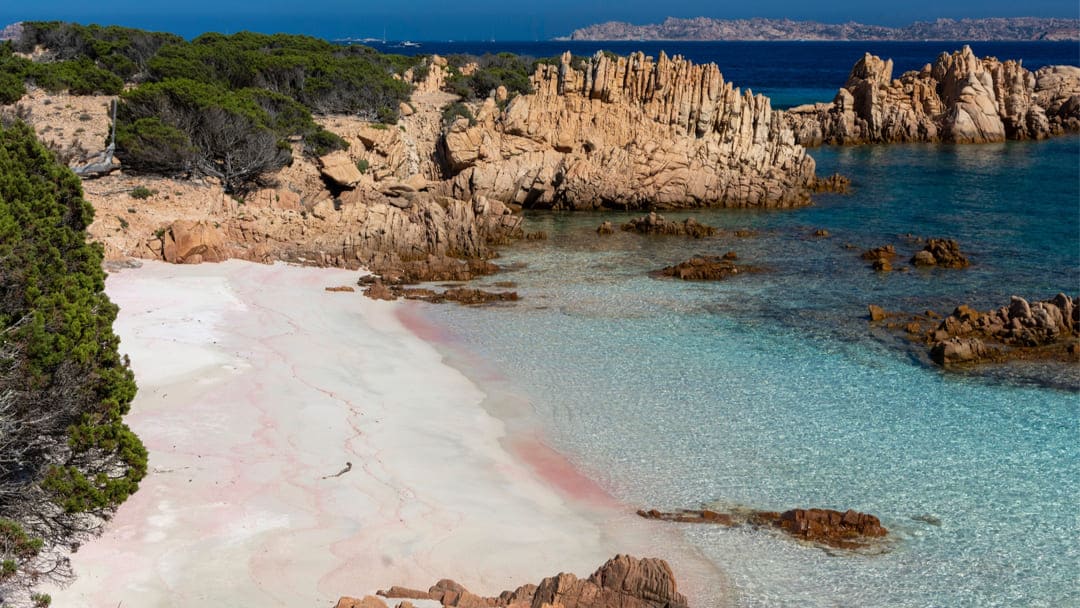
[623, 582]
[848, 530]
[731, 255]
[821, 232]
[941, 252]
[340, 169]
[192, 242]
[959, 350]
[882, 265]
[341, 288]
[924, 258]
[877, 313]
[886, 252]
[605, 228]
[658, 225]
[367, 602]
[404, 592]
[702, 268]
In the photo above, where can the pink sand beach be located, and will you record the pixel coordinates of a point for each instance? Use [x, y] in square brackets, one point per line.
[257, 387]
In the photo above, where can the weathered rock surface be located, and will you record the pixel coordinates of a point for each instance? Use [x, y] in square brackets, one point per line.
[941, 252]
[703, 268]
[188, 242]
[960, 98]
[1047, 330]
[631, 133]
[845, 530]
[622, 582]
[654, 223]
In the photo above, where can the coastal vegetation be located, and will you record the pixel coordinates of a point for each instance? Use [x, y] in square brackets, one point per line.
[66, 457]
[221, 106]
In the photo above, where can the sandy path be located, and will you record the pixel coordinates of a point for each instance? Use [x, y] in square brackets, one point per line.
[256, 387]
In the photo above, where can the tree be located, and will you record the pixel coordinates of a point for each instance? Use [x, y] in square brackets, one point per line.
[66, 457]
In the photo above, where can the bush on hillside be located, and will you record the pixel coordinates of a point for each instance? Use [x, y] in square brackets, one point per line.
[324, 77]
[505, 69]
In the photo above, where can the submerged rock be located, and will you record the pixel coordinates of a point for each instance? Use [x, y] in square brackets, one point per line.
[703, 268]
[657, 224]
[845, 530]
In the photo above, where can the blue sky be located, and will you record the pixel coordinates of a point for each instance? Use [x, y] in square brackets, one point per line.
[483, 19]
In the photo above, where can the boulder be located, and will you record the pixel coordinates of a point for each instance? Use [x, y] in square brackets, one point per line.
[339, 168]
[192, 242]
[877, 313]
[958, 350]
[368, 601]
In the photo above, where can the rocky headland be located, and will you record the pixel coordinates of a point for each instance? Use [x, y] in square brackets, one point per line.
[622, 582]
[705, 28]
[960, 98]
[628, 133]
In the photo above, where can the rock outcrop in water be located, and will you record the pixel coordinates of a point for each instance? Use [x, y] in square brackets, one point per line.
[622, 582]
[844, 530]
[705, 268]
[960, 98]
[628, 133]
[1046, 330]
[656, 224]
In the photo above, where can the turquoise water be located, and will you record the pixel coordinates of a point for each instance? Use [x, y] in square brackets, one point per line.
[771, 390]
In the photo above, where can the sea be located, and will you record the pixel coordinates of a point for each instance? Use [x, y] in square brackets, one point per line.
[772, 390]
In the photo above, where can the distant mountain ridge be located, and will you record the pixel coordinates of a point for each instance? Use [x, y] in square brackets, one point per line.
[706, 28]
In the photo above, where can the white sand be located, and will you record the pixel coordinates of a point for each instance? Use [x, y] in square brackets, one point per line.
[254, 384]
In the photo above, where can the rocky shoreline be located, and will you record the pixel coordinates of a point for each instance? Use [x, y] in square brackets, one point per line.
[621, 582]
[960, 98]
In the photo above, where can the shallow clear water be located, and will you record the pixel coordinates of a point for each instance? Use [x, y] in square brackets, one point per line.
[771, 390]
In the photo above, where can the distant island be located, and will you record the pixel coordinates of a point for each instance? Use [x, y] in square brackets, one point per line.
[706, 28]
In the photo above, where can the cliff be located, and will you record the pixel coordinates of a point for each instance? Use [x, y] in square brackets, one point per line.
[960, 98]
[630, 133]
[704, 28]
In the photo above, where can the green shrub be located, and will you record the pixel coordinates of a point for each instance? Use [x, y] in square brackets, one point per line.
[183, 127]
[363, 165]
[41, 600]
[457, 110]
[142, 193]
[56, 318]
[505, 69]
[323, 77]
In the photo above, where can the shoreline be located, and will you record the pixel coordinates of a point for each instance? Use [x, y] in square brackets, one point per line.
[256, 387]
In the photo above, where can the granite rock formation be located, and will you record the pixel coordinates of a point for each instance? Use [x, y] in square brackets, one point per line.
[622, 582]
[1046, 330]
[825, 527]
[960, 98]
[628, 133]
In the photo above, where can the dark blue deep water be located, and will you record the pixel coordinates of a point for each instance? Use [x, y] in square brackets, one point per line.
[772, 390]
